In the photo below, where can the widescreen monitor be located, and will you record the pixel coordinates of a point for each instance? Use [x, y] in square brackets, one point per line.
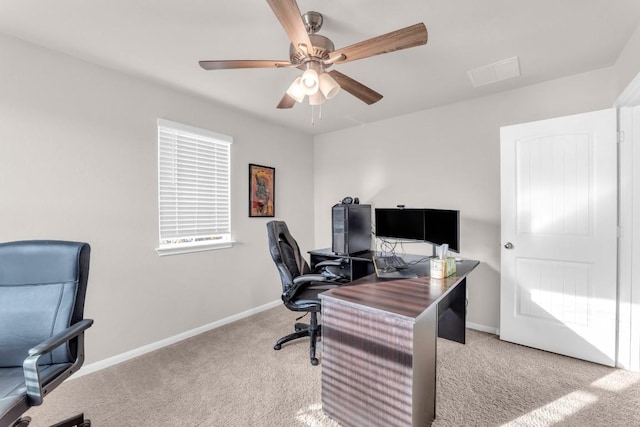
[400, 223]
[434, 226]
[442, 226]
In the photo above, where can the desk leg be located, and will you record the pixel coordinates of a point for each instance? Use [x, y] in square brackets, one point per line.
[360, 269]
[424, 368]
[452, 314]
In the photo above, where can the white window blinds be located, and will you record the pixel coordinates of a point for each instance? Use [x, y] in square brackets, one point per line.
[194, 186]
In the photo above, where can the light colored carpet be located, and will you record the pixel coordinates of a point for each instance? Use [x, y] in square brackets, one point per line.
[232, 377]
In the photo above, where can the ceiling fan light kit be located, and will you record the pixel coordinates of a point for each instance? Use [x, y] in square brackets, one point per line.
[317, 98]
[309, 81]
[328, 86]
[295, 90]
[314, 53]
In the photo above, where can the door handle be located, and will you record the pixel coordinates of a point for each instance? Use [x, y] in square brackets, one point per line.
[508, 245]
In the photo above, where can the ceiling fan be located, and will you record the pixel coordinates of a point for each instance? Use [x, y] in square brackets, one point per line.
[314, 54]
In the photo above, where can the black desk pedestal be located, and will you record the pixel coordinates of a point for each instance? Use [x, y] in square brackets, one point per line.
[452, 313]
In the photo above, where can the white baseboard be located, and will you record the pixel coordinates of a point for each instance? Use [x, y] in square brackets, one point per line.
[483, 328]
[111, 361]
[114, 360]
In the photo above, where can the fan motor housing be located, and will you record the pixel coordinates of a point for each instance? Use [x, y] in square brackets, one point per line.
[321, 49]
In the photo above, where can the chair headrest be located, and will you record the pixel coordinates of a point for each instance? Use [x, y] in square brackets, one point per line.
[42, 261]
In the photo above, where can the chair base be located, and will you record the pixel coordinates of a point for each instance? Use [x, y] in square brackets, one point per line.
[75, 421]
[313, 331]
[22, 422]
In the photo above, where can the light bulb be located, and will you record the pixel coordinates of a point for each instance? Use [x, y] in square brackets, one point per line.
[309, 82]
[295, 90]
[328, 86]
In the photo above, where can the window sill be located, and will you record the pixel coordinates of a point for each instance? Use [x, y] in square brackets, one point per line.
[196, 247]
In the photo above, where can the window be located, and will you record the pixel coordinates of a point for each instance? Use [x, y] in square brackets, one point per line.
[193, 189]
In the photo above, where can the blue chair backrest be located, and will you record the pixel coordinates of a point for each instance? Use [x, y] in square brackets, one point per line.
[42, 291]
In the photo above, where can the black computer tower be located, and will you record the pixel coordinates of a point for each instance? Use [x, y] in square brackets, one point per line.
[351, 225]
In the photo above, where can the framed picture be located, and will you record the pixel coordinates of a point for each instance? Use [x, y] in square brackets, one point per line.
[262, 187]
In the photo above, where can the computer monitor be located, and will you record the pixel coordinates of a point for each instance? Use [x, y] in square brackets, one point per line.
[435, 226]
[442, 226]
[400, 223]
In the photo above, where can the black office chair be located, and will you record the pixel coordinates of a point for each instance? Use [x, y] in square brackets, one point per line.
[42, 290]
[301, 286]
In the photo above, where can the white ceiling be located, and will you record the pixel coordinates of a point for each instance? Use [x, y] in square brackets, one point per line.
[163, 40]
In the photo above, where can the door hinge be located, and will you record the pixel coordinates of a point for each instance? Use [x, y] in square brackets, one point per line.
[619, 232]
[620, 136]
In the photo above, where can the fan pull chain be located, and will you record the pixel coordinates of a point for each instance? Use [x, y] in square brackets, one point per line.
[313, 122]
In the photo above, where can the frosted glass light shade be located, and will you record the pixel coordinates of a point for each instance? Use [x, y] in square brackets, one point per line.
[295, 90]
[309, 82]
[328, 86]
[317, 98]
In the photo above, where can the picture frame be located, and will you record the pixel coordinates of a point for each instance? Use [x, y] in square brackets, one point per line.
[262, 186]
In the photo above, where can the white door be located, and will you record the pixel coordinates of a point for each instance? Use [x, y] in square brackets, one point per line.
[559, 235]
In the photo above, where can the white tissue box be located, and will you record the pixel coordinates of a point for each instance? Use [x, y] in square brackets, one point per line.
[441, 268]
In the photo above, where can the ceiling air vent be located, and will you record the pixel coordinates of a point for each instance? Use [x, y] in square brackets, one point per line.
[492, 73]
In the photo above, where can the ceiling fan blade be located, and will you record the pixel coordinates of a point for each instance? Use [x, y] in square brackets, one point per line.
[288, 14]
[233, 64]
[286, 102]
[355, 88]
[414, 35]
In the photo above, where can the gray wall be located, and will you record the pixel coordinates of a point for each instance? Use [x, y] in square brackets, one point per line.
[78, 161]
[447, 157]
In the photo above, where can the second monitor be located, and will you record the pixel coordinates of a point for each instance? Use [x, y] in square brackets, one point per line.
[435, 226]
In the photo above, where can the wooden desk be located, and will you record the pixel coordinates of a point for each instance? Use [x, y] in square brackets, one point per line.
[379, 346]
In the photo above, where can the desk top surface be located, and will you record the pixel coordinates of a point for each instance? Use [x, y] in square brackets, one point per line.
[401, 297]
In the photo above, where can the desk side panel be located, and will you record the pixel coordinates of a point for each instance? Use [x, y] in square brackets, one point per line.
[367, 366]
[452, 314]
[424, 367]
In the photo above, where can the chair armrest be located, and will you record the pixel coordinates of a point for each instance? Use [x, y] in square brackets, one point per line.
[53, 342]
[312, 281]
[334, 269]
[329, 262]
[35, 389]
[309, 278]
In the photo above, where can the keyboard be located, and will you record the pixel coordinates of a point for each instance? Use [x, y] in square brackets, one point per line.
[392, 267]
[390, 262]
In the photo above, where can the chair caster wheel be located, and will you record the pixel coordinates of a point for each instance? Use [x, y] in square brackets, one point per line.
[314, 361]
[277, 347]
[22, 422]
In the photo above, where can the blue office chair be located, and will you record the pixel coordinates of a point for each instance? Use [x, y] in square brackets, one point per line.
[300, 285]
[42, 292]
